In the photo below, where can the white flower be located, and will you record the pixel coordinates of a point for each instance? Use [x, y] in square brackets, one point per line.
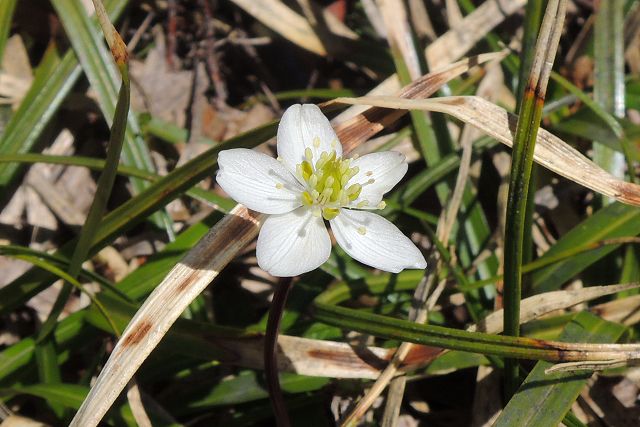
[311, 182]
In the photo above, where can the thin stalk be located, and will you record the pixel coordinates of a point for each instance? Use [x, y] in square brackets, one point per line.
[475, 342]
[522, 160]
[271, 352]
[533, 18]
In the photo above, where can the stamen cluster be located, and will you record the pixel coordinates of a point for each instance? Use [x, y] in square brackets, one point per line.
[327, 182]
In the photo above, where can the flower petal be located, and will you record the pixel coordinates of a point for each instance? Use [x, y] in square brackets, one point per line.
[378, 173]
[258, 181]
[305, 126]
[374, 241]
[293, 243]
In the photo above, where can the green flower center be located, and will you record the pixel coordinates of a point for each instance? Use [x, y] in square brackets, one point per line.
[327, 189]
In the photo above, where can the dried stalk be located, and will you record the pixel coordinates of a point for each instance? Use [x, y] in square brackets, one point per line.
[550, 151]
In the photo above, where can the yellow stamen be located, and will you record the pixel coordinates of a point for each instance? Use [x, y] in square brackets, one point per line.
[327, 179]
[330, 213]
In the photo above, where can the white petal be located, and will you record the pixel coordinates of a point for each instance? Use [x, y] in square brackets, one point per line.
[374, 241]
[300, 127]
[293, 243]
[258, 181]
[386, 169]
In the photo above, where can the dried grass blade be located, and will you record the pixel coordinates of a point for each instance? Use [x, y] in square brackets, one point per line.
[457, 41]
[275, 15]
[533, 307]
[185, 281]
[550, 151]
[358, 129]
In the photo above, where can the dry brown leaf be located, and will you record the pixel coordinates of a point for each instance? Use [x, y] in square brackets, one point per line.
[399, 34]
[158, 89]
[538, 305]
[550, 151]
[15, 74]
[625, 310]
[459, 40]
[284, 21]
[18, 421]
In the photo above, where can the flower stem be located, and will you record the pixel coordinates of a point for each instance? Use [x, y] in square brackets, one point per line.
[271, 352]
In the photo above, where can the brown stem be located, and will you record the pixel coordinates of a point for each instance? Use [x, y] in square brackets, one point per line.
[271, 352]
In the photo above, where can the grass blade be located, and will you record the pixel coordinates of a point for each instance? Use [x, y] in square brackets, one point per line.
[609, 86]
[521, 165]
[222, 203]
[612, 221]
[550, 151]
[7, 7]
[488, 344]
[53, 80]
[106, 180]
[45, 349]
[544, 399]
[97, 63]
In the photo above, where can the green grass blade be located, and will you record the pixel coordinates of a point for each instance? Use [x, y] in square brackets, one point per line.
[45, 348]
[97, 63]
[19, 355]
[524, 141]
[242, 388]
[454, 339]
[37, 261]
[135, 210]
[105, 182]
[71, 396]
[53, 80]
[48, 371]
[135, 286]
[609, 84]
[544, 399]
[224, 204]
[532, 20]
[59, 263]
[615, 220]
[7, 7]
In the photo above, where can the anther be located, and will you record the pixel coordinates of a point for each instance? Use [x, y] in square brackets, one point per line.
[362, 230]
[279, 186]
[329, 182]
[313, 180]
